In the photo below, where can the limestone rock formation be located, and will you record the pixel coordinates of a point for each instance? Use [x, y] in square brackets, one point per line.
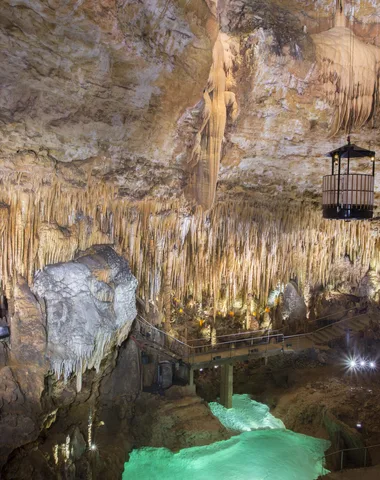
[217, 102]
[293, 308]
[350, 73]
[22, 378]
[87, 302]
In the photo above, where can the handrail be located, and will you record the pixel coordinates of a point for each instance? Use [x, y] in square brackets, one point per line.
[236, 334]
[338, 322]
[209, 348]
[349, 449]
[140, 318]
[336, 313]
[342, 450]
[244, 340]
[208, 340]
[280, 329]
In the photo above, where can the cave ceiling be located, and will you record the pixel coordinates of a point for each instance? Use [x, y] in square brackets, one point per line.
[113, 90]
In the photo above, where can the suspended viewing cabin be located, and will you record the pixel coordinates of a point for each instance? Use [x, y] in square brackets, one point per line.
[348, 196]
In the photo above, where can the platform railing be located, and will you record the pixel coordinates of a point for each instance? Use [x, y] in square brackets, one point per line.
[161, 338]
[271, 340]
[342, 454]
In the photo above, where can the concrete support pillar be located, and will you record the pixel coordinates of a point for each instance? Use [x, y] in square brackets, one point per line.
[191, 377]
[226, 385]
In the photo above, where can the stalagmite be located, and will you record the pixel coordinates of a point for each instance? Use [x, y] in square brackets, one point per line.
[349, 71]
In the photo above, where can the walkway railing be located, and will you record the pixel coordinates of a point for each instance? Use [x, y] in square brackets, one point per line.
[161, 338]
[271, 340]
[342, 455]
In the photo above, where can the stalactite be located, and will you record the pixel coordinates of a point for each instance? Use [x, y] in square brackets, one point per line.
[349, 71]
[235, 250]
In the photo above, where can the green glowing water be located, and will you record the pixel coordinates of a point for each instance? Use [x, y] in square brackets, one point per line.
[264, 451]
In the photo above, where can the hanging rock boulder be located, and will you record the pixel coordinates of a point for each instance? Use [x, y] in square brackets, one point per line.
[90, 303]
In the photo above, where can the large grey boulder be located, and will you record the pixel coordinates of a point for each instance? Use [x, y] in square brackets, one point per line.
[89, 302]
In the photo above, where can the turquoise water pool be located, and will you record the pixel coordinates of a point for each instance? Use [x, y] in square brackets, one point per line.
[264, 450]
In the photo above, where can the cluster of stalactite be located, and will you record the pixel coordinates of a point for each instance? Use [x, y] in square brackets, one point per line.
[236, 250]
[349, 71]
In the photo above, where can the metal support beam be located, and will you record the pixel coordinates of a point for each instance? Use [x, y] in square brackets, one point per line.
[226, 385]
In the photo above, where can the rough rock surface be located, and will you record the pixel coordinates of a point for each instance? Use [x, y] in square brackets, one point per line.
[87, 301]
[123, 419]
[293, 308]
[85, 85]
[183, 420]
[22, 379]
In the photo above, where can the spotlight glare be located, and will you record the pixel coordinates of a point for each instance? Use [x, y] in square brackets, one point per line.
[362, 363]
[216, 366]
[372, 364]
[201, 369]
[93, 447]
[352, 363]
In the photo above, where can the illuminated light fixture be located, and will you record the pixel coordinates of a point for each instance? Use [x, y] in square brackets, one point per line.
[359, 425]
[216, 366]
[362, 363]
[372, 364]
[345, 195]
[93, 447]
[201, 369]
[352, 364]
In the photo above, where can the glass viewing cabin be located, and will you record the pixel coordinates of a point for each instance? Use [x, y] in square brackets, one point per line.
[348, 196]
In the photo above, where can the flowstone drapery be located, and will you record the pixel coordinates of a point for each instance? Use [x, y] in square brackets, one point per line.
[90, 303]
[349, 71]
[217, 102]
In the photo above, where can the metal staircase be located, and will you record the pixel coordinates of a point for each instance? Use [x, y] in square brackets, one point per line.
[339, 329]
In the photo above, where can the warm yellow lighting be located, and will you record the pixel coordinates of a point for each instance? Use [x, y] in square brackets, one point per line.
[372, 159]
[55, 454]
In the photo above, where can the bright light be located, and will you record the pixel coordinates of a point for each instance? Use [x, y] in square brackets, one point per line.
[93, 447]
[362, 363]
[372, 364]
[216, 366]
[201, 369]
[358, 425]
[352, 363]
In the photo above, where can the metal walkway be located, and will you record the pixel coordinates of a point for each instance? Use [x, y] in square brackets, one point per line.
[243, 346]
